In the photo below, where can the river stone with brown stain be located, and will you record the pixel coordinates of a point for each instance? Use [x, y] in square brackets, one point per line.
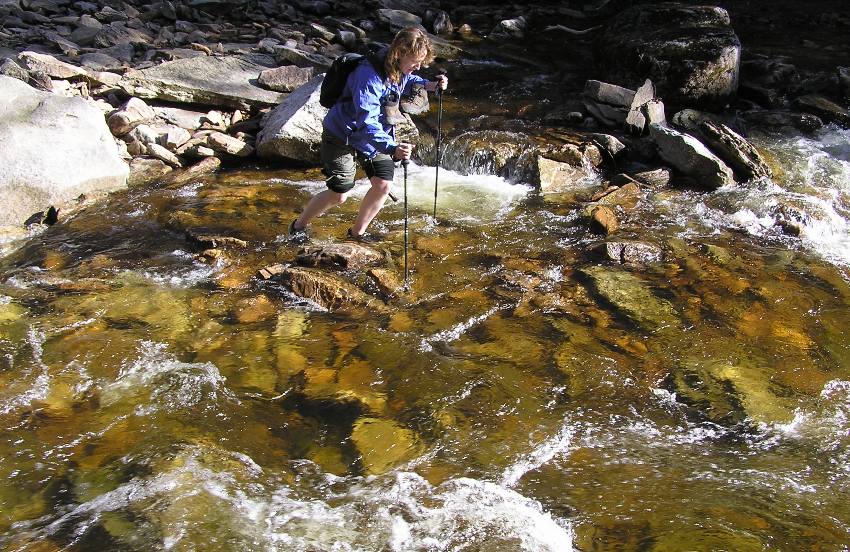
[387, 281]
[626, 196]
[603, 219]
[326, 290]
[339, 255]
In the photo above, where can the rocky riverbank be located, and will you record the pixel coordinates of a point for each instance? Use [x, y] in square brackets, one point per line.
[104, 95]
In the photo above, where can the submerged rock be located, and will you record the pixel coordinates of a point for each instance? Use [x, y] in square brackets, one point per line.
[383, 444]
[729, 393]
[632, 297]
[354, 386]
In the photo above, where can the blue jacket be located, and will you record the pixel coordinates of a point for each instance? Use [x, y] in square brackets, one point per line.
[357, 118]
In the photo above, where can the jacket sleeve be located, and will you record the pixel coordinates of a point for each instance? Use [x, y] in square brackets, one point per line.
[369, 136]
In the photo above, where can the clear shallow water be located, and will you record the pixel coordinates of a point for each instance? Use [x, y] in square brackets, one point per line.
[512, 402]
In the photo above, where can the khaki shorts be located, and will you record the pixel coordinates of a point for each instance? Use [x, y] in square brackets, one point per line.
[339, 163]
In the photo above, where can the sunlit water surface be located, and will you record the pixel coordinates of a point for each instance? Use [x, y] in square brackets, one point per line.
[511, 401]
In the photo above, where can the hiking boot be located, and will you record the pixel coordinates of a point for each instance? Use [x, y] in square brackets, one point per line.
[391, 110]
[361, 238]
[297, 236]
[417, 102]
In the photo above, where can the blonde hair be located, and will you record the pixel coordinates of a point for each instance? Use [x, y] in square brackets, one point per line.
[408, 41]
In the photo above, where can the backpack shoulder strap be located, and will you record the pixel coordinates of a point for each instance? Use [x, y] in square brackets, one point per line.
[378, 63]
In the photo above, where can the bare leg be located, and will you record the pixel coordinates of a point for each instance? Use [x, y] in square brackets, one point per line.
[372, 203]
[317, 206]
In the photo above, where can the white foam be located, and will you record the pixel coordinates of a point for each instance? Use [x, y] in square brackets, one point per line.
[469, 198]
[184, 275]
[33, 383]
[170, 383]
[814, 187]
[400, 511]
[539, 456]
[456, 331]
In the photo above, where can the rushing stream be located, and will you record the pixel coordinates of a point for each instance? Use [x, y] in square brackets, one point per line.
[523, 396]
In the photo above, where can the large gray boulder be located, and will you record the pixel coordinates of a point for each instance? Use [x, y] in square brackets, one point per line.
[293, 130]
[691, 53]
[227, 81]
[690, 157]
[52, 149]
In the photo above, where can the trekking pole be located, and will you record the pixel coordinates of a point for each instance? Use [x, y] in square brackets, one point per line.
[439, 140]
[406, 273]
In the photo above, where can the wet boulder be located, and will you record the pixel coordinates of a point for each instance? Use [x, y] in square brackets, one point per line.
[555, 165]
[632, 297]
[691, 53]
[741, 156]
[339, 255]
[603, 219]
[486, 152]
[825, 109]
[324, 289]
[41, 136]
[690, 157]
[628, 252]
[293, 130]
